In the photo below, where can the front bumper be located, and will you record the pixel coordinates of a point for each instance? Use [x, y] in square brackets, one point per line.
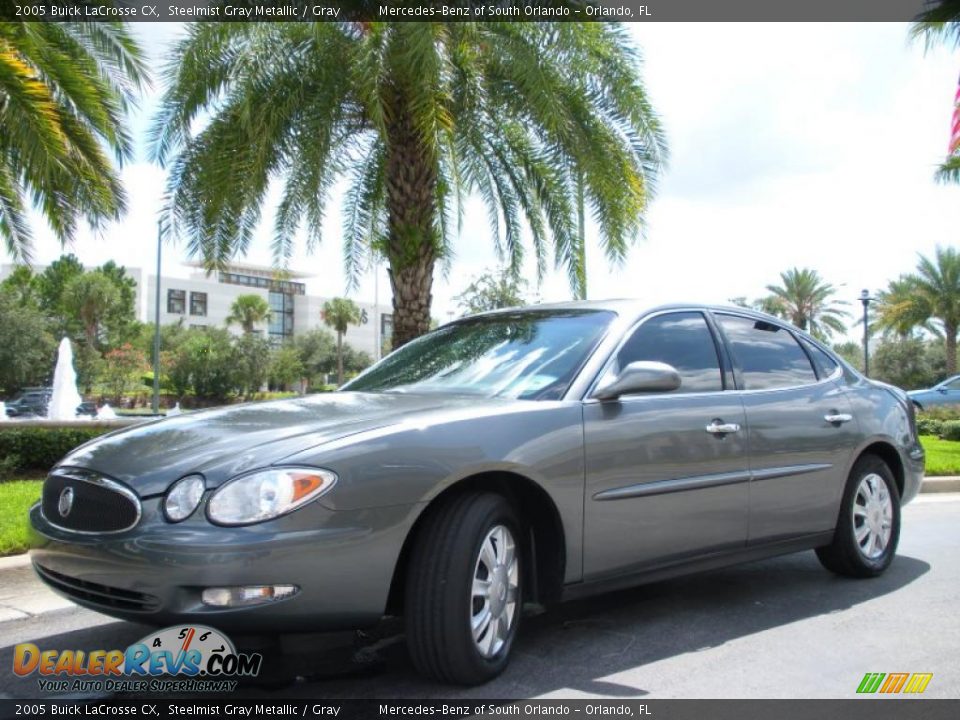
[343, 563]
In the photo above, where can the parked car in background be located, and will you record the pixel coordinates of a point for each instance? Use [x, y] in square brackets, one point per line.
[87, 408]
[945, 393]
[33, 402]
[527, 455]
[29, 402]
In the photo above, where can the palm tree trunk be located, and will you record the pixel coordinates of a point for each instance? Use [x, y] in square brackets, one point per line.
[412, 242]
[339, 358]
[950, 330]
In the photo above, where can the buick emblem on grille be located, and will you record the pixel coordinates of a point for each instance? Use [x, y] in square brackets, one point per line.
[65, 504]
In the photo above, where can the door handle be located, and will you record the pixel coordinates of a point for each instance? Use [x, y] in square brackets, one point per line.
[838, 418]
[718, 427]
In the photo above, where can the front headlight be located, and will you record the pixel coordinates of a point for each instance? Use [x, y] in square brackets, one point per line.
[267, 494]
[183, 497]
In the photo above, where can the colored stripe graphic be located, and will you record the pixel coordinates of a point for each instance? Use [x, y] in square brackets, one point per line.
[870, 682]
[918, 682]
[894, 682]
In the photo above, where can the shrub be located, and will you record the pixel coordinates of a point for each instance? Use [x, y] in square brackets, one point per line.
[942, 412]
[950, 430]
[40, 447]
[9, 464]
[929, 426]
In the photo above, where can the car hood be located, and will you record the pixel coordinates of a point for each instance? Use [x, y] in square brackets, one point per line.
[224, 442]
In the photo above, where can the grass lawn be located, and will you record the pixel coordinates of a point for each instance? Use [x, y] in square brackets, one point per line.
[16, 497]
[943, 456]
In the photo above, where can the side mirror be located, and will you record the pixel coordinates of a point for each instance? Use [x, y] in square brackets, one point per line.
[638, 377]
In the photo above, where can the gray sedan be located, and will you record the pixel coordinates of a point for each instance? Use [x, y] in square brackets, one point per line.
[520, 456]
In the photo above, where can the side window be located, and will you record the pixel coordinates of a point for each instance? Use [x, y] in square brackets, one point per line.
[826, 365]
[680, 339]
[768, 355]
[954, 384]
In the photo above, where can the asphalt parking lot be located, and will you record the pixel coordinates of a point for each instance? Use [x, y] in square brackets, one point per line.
[780, 628]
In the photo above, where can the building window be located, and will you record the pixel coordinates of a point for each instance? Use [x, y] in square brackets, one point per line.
[198, 304]
[176, 302]
[278, 286]
[281, 317]
[386, 326]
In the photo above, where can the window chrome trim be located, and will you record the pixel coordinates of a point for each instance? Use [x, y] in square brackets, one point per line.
[92, 478]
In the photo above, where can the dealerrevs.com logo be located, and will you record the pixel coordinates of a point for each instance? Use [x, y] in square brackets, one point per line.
[894, 683]
[194, 658]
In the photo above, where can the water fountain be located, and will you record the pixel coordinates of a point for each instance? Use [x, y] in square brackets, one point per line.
[106, 413]
[65, 399]
[3, 411]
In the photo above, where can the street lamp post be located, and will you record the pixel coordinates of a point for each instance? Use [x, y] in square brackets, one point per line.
[155, 403]
[866, 299]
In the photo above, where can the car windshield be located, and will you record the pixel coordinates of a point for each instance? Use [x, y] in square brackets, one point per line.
[532, 354]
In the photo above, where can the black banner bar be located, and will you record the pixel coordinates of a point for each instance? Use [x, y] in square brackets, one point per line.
[461, 10]
[161, 708]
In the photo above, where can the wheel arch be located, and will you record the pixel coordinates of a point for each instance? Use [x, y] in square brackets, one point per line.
[888, 453]
[545, 544]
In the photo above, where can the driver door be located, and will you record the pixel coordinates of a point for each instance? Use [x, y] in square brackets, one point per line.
[662, 483]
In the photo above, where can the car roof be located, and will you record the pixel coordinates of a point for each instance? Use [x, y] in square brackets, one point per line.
[632, 307]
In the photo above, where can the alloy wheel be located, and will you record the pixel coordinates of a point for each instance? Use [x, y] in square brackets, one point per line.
[493, 597]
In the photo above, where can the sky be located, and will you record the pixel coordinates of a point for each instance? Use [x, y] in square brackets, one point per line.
[807, 145]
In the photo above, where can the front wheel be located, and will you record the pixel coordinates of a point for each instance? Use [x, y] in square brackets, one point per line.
[464, 591]
[868, 528]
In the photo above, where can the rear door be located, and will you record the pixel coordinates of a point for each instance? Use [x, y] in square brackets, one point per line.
[662, 483]
[800, 429]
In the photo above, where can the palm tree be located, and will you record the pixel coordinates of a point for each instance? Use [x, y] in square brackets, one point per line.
[339, 314]
[491, 291]
[929, 298]
[415, 116]
[64, 93]
[805, 299]
[247, 311]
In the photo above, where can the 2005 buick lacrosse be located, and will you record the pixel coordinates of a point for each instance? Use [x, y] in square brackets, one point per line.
[517, 456]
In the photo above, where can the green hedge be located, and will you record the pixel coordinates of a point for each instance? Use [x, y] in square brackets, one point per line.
[929, 426]
[38, 448]
[950, 430]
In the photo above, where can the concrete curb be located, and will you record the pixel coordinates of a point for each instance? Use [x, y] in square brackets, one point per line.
[14, 561]
[943, 484]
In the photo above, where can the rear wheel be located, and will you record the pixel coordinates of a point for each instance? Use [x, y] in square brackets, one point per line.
[464, 590]
[868, 529]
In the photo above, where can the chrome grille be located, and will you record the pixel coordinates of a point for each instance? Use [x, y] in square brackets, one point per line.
[85, 502]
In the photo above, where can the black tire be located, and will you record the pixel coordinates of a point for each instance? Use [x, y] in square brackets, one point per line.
[439, 602]
[844, 555]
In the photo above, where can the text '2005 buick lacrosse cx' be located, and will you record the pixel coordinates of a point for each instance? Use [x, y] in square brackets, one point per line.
[517, 456]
